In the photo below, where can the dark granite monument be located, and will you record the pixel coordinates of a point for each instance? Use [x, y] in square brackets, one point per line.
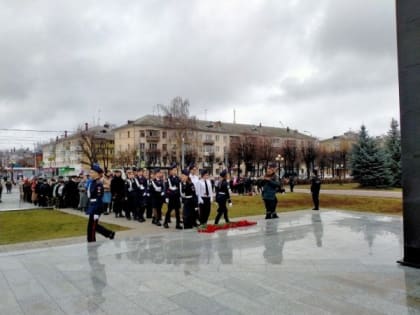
[408, 37]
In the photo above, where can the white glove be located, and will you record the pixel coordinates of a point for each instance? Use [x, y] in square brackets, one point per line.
[230, 204]
[96, 216]
[162, 193]
[167, 200]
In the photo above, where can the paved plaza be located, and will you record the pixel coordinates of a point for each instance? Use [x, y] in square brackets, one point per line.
[332, 262]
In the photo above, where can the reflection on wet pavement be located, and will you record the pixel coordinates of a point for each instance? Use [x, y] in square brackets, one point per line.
[305, 262]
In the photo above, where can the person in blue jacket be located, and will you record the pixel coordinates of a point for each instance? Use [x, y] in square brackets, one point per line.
[95, 192]
[270, 186]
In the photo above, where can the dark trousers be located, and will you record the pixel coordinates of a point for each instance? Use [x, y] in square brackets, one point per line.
[315, 199]
[189, 213]
[117, 206]
[221, 210]
[93, 227]
[205, 210]
[270, 205]
[173, 205]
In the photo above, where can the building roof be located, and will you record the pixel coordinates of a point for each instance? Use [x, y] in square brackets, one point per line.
[218, 126]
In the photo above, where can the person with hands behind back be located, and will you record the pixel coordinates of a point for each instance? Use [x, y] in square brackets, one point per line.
[270, 185]
[95, 192]
[222, 196]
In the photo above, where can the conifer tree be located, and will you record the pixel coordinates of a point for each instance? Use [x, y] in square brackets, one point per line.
[368, 162]
[393, 150]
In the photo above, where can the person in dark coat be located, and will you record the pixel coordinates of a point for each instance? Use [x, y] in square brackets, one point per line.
[118, 193]
[222, 196]
[270, 186]
[315, 189]
[44, 190]
[292, 182]
[205, 196]
[142, 200]
[173, 197]
[157, 194]
[95, 191]
[189, 199]
[132, 192]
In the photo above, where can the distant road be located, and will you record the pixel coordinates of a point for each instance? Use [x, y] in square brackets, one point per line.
[356, 192]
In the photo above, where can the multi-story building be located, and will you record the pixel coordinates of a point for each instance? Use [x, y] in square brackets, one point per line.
[160, 140]
[337, 150]
[73, 154]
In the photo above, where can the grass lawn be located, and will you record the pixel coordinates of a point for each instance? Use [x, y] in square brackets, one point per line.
[253, 205]
[42, 224]
[347, 186]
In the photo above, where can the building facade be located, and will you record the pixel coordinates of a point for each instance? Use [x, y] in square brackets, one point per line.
[158, 141]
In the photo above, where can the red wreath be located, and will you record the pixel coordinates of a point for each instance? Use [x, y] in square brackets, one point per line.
[211, 228]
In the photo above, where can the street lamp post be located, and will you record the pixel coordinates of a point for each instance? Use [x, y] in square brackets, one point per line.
[279, 159]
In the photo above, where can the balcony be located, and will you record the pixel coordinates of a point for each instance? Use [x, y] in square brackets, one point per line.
[208, 142]
[154, 138]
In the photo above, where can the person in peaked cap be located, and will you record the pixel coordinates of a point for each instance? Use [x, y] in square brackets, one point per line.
[95, 192]
[205, 196]
[173, 197]
[195, 180]
[189, 199]
[222, 196]
[157, 194]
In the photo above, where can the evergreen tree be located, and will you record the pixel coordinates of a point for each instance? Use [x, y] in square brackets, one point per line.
[368, 162]
[393, 150]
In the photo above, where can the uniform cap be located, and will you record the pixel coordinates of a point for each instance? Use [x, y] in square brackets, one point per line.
[223, 173]
[186, 172]
[272, 165]
[95, 167]
[204, 172]
[173, 165]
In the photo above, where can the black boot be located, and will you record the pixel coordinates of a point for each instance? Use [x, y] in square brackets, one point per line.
[166, 225]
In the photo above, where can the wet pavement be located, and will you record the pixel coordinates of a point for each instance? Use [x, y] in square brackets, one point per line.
[306, 262]
[12, 201]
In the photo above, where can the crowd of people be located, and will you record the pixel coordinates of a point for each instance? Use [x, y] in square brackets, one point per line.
[141, 194]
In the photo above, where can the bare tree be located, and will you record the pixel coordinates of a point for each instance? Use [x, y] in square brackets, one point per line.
[96, 147]
[290, 155]
[177, 117]
[309, 154]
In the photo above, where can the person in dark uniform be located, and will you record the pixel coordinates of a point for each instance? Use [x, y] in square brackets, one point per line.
[147, 200]
[117, 193]
[270, 186]
[173, 197]
[222, 196]
[95, 191]
[292, 182]
[44, 191]
[132, 195]
[142, 182]
[157, 194]
[315, 188]
[205, 196]
[189, 199]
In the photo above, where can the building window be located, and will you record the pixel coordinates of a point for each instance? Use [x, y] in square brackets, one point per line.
[209, 137]
[152, 146]
[217, 149]
[217, 138]
[164, 147]
[142, 146]
[164, 134]
[128, 134]
[128, 146]
[142, 134]
[224, 138]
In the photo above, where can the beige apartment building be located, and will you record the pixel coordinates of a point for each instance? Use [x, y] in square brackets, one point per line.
[158, 141]
[72, 154]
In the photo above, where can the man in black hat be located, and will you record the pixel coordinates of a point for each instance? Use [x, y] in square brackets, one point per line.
[205, 196]
[222, 196]
[173, 197]
[95, 192]
[189, 199]
[132, 195]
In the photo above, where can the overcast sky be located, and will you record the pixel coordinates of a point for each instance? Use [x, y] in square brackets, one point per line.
[323, 66]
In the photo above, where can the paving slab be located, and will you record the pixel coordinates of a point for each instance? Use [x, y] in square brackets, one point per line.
[305, 262]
